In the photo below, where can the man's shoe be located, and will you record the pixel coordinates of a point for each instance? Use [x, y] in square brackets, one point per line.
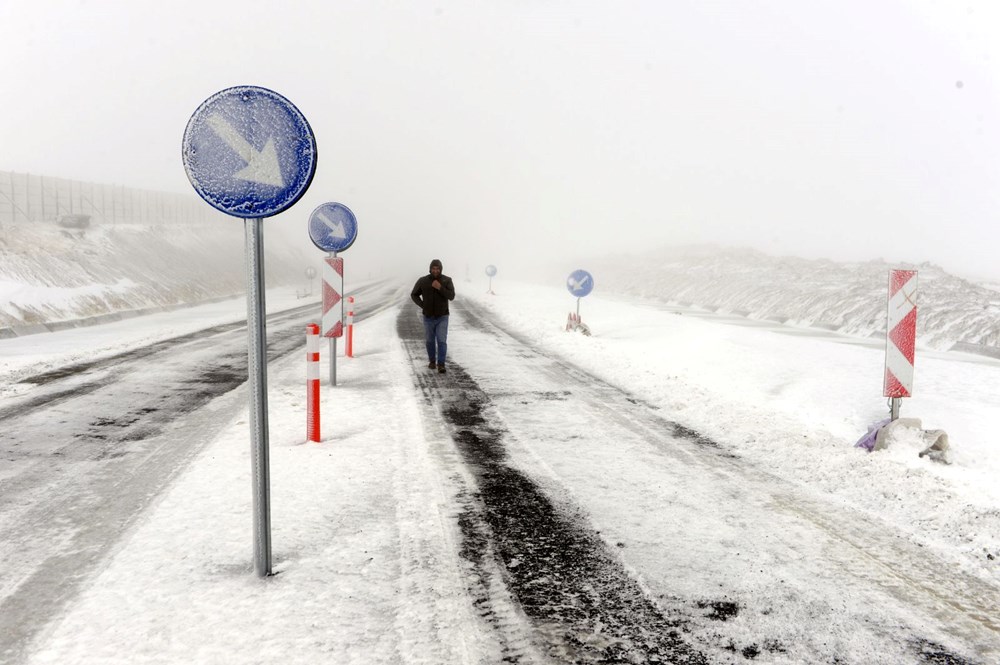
[432, 365]
[440, 368]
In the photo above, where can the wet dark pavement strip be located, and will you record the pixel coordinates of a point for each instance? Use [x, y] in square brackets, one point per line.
[583, 605]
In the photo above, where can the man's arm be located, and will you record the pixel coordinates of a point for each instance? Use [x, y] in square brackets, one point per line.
[415, 295]
[448, 288]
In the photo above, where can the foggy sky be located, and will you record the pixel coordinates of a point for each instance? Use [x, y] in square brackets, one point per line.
[520, 132]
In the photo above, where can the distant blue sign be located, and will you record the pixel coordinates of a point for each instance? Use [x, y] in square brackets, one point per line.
[333, 227]
[580, 283]
[249, 152]
[491, 270]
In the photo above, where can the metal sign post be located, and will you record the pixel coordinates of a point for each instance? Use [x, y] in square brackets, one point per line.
[333, 361]
[251, 154]
[580, 283]
[491, 270]
[332, 319]
[257, 372]
[333, 228]
[332, 296]
[310, 275]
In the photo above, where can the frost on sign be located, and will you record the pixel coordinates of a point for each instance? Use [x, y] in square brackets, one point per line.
[249, 152]
[580, 283]
[901, 333]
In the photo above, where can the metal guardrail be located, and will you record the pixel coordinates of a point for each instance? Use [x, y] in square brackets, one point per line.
[979, 349]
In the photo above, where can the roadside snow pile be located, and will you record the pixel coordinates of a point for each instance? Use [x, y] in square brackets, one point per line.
[848, 297]
[49, 273]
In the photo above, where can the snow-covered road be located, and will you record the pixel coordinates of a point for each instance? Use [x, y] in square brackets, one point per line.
[781, 568]
[88, 446]
[553, 498]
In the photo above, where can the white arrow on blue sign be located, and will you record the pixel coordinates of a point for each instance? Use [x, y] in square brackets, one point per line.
[249, 152]
[580, 283]
[333, 227]
[491, 270]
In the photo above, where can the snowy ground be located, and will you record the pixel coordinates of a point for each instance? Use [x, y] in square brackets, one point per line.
[364, 530]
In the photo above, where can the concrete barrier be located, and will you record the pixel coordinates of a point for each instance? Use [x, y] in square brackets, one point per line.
[111, 317]
[56, 326]
[20, 330]
[979, 349]
[23, 329]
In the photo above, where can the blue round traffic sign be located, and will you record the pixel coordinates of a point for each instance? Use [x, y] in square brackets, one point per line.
[580, 283]
[491, 270]
[249, 152]
[333, 227]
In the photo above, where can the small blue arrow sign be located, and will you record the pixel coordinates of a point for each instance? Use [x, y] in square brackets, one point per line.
[491, 270]
[249, 152]
[580, 283]
[333, 227]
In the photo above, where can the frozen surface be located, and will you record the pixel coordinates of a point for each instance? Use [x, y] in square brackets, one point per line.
[363, 523]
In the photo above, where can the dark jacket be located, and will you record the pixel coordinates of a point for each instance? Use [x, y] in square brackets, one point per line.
[433, 301]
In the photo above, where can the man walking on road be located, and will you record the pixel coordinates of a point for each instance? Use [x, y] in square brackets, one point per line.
[432, 293]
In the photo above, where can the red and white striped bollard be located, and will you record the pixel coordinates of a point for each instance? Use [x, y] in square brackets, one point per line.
[312, 382]
[349, 350]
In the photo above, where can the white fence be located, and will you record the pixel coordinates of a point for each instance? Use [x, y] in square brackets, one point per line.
[26, 198]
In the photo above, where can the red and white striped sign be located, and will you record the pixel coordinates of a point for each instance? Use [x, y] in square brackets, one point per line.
[901, 333]
[333, 286]
[312, 382]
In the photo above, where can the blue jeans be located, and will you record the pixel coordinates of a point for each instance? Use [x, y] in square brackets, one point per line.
[436, 334]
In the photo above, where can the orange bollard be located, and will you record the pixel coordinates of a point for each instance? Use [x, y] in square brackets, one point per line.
[349, 350]
[312, 382]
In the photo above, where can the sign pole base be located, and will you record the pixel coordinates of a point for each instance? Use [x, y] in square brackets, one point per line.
[333, 361]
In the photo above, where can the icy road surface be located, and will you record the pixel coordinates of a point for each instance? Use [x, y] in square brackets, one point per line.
[518, 508]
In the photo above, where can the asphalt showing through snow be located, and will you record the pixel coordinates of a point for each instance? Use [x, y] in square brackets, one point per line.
[583, 605]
